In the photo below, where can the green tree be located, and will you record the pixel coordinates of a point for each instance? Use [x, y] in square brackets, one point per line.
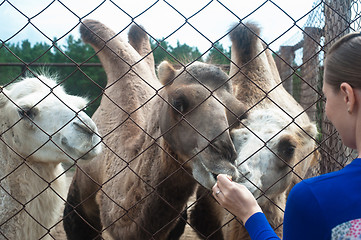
[161, 50]
[9, 53]
[185, 54]
[218, 55]
[77, 78]
[181, 53]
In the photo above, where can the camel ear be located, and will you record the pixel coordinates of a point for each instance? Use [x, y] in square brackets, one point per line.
[3, 98]
[311, 129]
[166, 72]
[235, 109]
[307, 132]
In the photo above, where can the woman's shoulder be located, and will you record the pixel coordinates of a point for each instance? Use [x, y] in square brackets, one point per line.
[354, 168]
[306, 199]
[343, 180]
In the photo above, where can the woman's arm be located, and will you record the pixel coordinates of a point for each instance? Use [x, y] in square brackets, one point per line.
[237, 199]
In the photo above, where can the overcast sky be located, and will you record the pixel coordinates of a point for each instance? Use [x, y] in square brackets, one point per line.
[160, 20]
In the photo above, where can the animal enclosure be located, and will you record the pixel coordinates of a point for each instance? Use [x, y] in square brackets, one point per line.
[167, 128]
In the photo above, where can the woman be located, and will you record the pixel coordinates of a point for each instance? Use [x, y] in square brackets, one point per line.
[327, 206]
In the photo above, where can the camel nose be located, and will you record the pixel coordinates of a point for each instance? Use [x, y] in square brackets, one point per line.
[85, 124]
[83, 128]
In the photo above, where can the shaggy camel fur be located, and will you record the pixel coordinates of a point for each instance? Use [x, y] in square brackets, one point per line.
[275, 143]
[159, 140]
[40, 127]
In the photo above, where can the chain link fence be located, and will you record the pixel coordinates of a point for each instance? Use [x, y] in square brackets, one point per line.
[162, 142]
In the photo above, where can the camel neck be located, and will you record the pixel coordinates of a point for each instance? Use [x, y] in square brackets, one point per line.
[170, 192]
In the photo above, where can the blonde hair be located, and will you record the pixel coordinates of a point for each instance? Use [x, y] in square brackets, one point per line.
[343, 62]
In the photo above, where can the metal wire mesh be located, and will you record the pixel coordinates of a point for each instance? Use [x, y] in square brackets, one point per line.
[299, 60]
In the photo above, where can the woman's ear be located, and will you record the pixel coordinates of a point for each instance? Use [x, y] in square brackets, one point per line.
[349, 96]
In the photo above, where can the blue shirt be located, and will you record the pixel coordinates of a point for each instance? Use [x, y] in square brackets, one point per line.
[315, 206]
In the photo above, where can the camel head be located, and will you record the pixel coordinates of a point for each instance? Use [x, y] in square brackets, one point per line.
[41, 122]
[270, 148]
[198, 112]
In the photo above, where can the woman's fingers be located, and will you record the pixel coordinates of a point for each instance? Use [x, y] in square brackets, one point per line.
[223, 182]
[216, 191]
[221, 187]
[235, 197]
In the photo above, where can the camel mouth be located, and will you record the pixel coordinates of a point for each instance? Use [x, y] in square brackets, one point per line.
[89, 155]
[207, 175]
[244, 177]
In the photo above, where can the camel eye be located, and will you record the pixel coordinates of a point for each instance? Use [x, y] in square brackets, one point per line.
[289, 151]
[180, 104]
[27, 112]
[286, 149]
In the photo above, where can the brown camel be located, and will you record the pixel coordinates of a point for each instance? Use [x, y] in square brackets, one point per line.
[275, 144]
[160, 140]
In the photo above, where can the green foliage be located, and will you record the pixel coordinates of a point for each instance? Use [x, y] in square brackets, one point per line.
[77, 79]
[84, 80]
[182, 53]
[161, 51]
[185, 54]
[219, 55]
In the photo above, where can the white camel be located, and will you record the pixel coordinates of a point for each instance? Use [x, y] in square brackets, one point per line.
[41, 126]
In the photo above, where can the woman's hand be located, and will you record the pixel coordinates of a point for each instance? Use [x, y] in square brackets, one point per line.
[235, 197]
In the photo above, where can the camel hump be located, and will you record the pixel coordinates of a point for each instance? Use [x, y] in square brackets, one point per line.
[139, 40]
[138, 37]
[95, 33]
[244, 38]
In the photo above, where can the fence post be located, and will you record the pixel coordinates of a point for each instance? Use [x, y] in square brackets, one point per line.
[337, 21]
[284, 66]
[310, 71]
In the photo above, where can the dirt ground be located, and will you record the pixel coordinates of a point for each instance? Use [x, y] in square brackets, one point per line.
[59, 234]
